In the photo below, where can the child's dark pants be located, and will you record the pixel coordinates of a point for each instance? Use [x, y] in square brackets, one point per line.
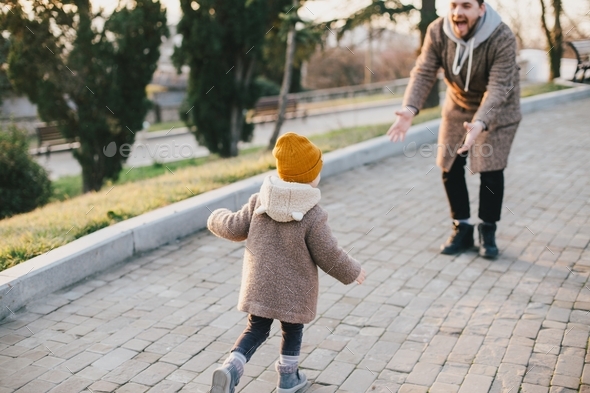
[257, 332]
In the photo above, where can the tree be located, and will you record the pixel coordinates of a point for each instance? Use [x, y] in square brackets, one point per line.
[554, 38]
[272, 65]
[291, 44]
[24, 184]
[336, 67]
[5, 87]
[365, 17]
[222, 44]
[427, 16]
[377, 9]
[89, 81]
[392, 9]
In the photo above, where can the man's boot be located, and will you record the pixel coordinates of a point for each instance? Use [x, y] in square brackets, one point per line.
[487, 240]
[460, 240]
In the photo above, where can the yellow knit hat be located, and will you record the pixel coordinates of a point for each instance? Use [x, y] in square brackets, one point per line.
[298, 160]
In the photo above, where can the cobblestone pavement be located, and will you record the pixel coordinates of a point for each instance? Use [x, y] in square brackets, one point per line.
[422, 322]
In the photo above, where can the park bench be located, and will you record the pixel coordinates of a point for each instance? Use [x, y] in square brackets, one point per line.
[49, 135]
[269, 106]
[582, 50]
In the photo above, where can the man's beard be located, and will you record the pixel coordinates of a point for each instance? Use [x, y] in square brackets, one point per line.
[470, 32]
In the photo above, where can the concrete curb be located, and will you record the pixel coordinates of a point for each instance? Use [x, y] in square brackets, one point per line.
[90, 254]
[331, 110]
[310, 113]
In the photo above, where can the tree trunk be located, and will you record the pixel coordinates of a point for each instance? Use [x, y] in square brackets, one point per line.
[87, 185]
[236, 129]
[236, 111]
[291, 44]
[557, 51]
[92, 173]
[554, 38]
[427, 16]
[369, 55]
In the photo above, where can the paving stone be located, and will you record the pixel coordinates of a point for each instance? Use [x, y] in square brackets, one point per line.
[154, 373]
[22, 377]
[202, 361]
[465, 349]
[167, 386]
[529, 388]
[73, 384]
[439, 387]
[101, 348]
[517, 354]
[122, 336]
[136, 344]
[35, 386]
[476, 384]
[55, 376]
[423, 374]
[114, 358]
[490, 355]
[359, 381]
[182, 376]
[319, 359]
[586, 374]
[79, 361]
[408, 388]
[132, 388]
[335, 374]
[126, 371]
[560, 389]
[421, 322]
[438, 349]
[576, 336]
[453, 373]
[565, 381]
[528, 328]
[259, 387]
[404, 360]
[103, 386]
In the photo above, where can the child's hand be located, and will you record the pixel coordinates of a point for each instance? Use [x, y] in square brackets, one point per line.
[362, 275]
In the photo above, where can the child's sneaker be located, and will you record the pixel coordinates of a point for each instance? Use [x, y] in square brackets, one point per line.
[227, 377]
[290, 379]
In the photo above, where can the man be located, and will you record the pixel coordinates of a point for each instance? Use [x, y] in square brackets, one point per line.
[481, 113]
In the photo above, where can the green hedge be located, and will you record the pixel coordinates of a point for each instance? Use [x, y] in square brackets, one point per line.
[24, 184]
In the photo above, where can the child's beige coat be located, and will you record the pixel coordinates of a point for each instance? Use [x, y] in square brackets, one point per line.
[287, 239]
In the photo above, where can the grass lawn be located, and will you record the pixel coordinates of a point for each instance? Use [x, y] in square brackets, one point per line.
[540, 88]
[71, 215]
[165, 126]
[348, 101]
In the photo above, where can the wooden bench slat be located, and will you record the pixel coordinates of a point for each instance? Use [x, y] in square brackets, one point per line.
[270, 106]
[49, 135]
[582, 51]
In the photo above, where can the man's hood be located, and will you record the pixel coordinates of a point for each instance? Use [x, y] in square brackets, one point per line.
[284, 201]
[486, 25]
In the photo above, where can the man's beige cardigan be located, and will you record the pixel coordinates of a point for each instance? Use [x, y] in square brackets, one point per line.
[281, 260]
[493, 96]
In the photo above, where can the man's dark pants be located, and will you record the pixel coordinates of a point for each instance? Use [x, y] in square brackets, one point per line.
[491, 192]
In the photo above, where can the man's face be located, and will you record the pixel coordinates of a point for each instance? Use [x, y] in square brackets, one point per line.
[464, 15]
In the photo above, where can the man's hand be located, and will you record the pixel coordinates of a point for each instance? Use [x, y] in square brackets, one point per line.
[473, 131]
[362, 275]
[403, 122]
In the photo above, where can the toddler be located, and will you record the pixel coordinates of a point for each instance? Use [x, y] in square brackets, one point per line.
[287, 239]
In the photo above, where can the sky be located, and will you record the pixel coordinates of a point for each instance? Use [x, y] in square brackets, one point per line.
[512, 12]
